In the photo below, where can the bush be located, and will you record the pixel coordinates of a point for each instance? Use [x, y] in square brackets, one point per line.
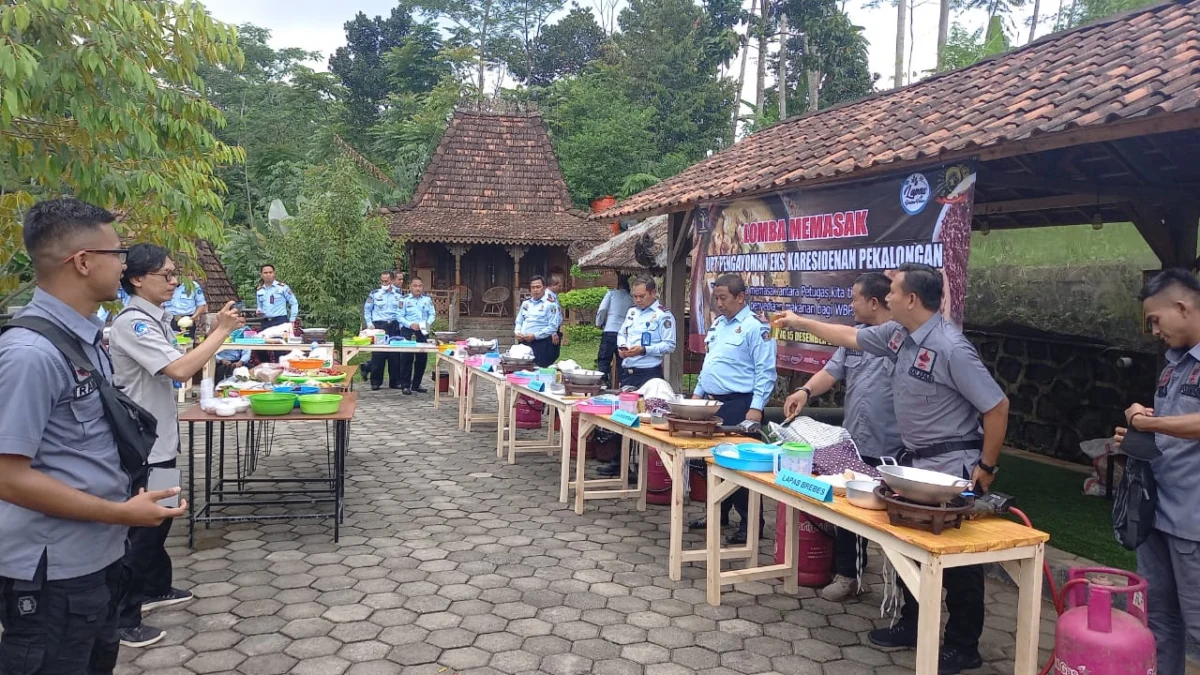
[582, 298]
[581, 333]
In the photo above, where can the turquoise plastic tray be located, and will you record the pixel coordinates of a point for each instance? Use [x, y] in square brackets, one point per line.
[728, 456]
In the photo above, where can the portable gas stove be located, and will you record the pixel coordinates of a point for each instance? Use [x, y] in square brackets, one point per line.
[935, 519]
[582, 389]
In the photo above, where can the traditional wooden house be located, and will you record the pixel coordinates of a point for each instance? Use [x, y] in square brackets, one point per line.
[492, 211]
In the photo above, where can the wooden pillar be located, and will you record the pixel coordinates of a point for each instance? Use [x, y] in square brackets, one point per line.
[457, 250]
[1182, 224]
[679, 243]
[1170, 231]
[517, 252]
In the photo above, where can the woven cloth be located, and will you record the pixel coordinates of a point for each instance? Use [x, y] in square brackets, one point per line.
[835, 449]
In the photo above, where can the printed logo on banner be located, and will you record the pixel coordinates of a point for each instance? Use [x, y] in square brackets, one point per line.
[914, 194]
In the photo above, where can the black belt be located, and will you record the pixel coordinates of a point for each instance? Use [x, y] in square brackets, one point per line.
[943, 448]
[634, 371]
[726, 397]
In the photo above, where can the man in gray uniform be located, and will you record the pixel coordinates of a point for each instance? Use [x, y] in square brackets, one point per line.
[941, 389]
[1170, 557]
[65, 503]
[146, 362]
[870, 414]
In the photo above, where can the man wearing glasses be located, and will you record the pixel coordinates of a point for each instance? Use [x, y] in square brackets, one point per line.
[65, 505]
[145, 362]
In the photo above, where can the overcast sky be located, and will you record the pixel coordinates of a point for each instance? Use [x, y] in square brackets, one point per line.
[316, 25]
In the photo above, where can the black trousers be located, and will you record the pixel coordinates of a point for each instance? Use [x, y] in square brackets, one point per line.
[271, 356]
[148, 572]
[60, 627]
[412, 366]
[555, 349]
[848, 546]
[608, 351]
[392, 361]
[636, 377]
[734, 412]
[544, 352]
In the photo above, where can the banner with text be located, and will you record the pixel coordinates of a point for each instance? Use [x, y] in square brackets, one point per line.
[802, 250]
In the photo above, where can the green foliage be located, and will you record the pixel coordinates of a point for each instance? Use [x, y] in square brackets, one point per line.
[578, 273]
[243, 255]
[1081, 12]
[359, 64]
[103, 99]
[582, 298]
[964, 48]
[837, 51]
[563, 49]
[584, 333]
[635, 183]
[332, 251]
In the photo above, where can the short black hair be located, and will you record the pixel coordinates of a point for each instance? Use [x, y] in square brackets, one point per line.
[50, 221]
[623, 282]
[875, 285]
[734, 283]
[390, 274]
[537, 277]
[142, 260]
[644, 280]
[1176, 277]
[265, 266]
[925, 282]
[556, 277]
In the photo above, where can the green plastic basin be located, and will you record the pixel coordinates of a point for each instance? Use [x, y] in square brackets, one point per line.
[272, 404]
[320, 404]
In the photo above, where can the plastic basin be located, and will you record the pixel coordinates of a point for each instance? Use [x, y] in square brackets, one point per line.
[298, 390]
[272, 404]
[306, 364]
[320, 404]
[595, 408]
[730, 457]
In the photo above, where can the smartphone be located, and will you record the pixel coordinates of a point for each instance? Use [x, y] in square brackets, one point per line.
[164, 479]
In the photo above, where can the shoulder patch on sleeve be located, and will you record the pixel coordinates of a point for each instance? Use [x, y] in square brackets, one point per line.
[766, 334]
[140, 328]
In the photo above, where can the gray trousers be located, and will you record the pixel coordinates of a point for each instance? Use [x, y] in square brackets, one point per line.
[1172, 567]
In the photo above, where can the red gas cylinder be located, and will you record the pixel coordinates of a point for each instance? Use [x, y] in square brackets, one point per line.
[1098, 640]
[816, 538]
[697, 484]
[658, 481]
[529, 413]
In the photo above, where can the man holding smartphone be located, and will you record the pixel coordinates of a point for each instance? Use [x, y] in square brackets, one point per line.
[146, 362]
[65, 505]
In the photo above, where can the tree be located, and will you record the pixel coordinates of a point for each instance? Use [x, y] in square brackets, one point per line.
[485, 25]
[600, 136]
[359, 64]
[332, 250]
[965, 48]
[564, 49]
[826, 57]
[103, 99]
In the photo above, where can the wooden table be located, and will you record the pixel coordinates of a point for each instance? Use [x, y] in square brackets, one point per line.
[210, 368]
[675, 451]
[561, 406]
[328, 489]
[919, 557]
[473, 376]
[457, 371]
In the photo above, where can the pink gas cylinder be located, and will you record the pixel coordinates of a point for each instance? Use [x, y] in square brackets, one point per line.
[529, 413]
[816, 539]
[658, 481]
[1095, 639]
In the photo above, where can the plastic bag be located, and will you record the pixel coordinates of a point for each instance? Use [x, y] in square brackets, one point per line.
[266, 372]
[657, 388]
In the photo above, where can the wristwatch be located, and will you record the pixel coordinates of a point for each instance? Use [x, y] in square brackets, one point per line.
[806, 390]
[988, 468]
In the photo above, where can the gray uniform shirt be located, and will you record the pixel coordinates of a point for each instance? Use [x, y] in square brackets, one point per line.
[141, 347]
[60, 426]
[939, 385]
[870, 412]
[1175, 472]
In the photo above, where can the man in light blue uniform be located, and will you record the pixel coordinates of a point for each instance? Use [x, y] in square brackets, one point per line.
[537, 322]
[416, 319]
[738, 371]
[382, 310]
[609, 318]
[187, 303]
[1170, 557]
[276, 304]
[122, 297]
[229, 359]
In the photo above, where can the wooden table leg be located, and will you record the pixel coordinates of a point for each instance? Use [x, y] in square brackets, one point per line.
[501, 418]
[791, 555]
[1029, 612]
[676, 466]
[754, 527]
[437, 380]
[469, 401]
[643, 463]
[581, 470]
[564, 481]
[929, 624]
[511, 411]
[713, 540]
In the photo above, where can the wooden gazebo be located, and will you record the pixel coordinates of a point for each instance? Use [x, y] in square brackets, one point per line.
[491, 211]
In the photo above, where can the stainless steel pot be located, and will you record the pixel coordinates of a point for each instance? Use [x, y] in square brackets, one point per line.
[583, 377]
[932, 488]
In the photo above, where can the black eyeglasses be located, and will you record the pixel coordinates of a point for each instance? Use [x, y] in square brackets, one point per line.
[121, 253]
[168, 275]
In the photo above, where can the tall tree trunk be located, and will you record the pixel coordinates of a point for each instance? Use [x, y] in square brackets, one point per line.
[901, 21]
[741, 81]
[943, 30]
[1037, 7]
[813, 77]
[762, 62]
[912, 38]
[782, 84]
[483, 31]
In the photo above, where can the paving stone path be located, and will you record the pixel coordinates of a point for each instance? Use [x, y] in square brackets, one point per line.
[452, 562]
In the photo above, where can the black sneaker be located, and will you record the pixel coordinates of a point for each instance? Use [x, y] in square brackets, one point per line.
[406, 391]
[702, 523]
[420, 390]
[141, 636]
[375, 387]
[894, 637]
[609, 470]
[172, 597]
[954, 660]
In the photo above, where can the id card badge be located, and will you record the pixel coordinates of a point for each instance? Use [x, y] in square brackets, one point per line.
[646, 339]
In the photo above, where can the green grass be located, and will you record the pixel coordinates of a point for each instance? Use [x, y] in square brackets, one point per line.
[1054, 501]
[1080, 245]
[582, 352]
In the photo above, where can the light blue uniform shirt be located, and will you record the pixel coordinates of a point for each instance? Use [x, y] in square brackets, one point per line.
[652, 328]
[739, 359]
[277, 300]
[383, 305]
[539, 317]
[612, 311]
[417, 310]
[183, 303]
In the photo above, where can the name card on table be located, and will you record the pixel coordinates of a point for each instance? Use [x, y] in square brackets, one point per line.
[626, 418]
[808, 486]
[537, 385]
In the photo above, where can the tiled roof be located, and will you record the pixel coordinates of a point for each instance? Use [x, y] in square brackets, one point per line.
[1144, 63]
[618, 253]
[494, 179]
[218, 289]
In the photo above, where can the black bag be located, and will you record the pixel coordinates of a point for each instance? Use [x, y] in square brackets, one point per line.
[1134, 504]
[134, 429]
